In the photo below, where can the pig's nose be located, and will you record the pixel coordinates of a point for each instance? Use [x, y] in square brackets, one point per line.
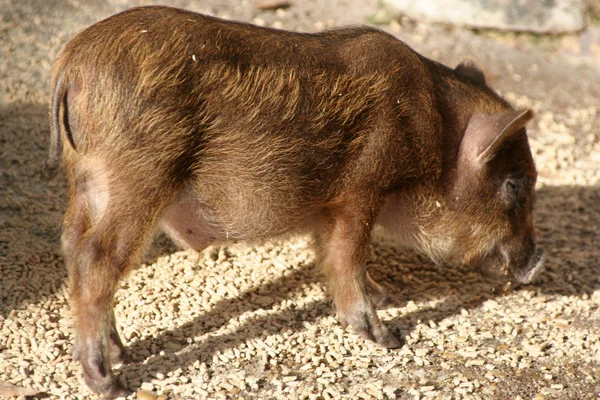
[534, 266]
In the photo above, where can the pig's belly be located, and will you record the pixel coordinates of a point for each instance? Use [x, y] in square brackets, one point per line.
[188, 223]
[191, 223]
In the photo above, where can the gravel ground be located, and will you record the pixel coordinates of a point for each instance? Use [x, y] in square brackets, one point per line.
[240, 322]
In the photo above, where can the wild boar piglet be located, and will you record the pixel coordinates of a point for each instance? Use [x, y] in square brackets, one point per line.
[213, 130]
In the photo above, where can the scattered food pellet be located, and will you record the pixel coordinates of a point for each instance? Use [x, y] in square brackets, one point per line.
[255, 320]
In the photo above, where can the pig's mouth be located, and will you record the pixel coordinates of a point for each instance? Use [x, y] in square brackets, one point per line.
[534, 265]
[523, 272]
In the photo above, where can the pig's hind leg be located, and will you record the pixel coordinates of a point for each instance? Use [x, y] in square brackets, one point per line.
[343, 251]
[104, 234]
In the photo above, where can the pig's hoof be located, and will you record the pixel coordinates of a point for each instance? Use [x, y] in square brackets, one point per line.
[390, 341]
[385, 339]
[382, 336]
[100, 379]
[110, 388]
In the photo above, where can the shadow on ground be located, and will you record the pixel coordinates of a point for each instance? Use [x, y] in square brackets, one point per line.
[568, 224]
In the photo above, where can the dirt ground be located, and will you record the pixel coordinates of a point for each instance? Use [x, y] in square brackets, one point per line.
[242, 322]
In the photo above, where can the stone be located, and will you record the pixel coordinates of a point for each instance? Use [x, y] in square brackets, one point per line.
[538, 16]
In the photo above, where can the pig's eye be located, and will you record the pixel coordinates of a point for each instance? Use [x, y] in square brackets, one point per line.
[511, 186]
[513, 191]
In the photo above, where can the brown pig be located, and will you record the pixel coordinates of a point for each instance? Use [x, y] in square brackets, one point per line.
[212, 130]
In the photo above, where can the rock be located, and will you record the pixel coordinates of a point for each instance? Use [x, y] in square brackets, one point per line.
[539, 16]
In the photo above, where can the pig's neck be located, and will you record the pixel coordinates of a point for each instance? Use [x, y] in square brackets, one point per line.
[407, 214]
[405, 220]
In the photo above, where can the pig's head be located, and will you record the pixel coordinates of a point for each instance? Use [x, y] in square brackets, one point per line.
[490, 197]
[483, 215]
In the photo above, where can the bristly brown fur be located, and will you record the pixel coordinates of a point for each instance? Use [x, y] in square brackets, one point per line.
[214, 130]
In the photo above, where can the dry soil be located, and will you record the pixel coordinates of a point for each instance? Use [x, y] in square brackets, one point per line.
[241, 322]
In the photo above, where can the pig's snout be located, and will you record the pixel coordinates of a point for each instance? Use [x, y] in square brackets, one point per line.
[534, 265]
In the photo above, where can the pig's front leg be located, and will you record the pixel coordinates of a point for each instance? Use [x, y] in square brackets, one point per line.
[116, 349]
[343, 251]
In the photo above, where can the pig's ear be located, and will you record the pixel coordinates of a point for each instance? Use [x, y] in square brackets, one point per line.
[471, 70]
[486, 134]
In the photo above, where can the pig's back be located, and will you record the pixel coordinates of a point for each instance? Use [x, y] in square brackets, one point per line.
[263, 124]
